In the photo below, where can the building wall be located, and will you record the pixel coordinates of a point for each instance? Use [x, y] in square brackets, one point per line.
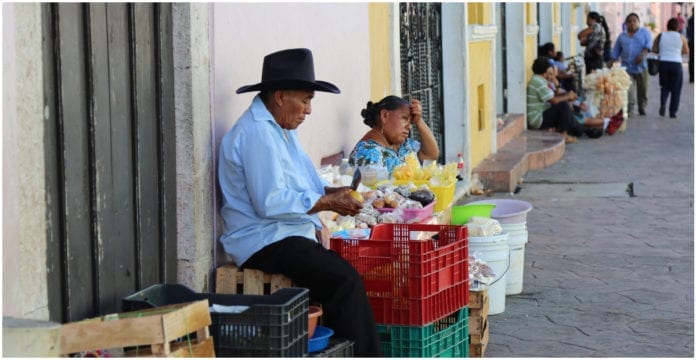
[530, 42]
[481, 81]
[194, 160]
[480, 100]
[339, 37]
[382, 57]
[25, 201]
[455, 72]
[516, 34]
[25, 292]
[557, 28]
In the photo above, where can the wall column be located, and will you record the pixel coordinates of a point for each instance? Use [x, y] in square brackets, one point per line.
[515, 29]
[25, 210]
[194, 145]
[454, 80]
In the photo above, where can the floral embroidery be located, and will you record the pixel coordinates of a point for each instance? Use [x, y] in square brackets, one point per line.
[372, 153]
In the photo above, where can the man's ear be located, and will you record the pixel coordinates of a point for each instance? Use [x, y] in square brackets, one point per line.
[278, 97]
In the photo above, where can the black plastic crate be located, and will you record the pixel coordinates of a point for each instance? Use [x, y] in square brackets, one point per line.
[273, 326]
[338, 348]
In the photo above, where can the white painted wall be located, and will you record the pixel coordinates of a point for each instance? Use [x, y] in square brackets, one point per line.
[545, 14]
[515, 29]
[454, 81]
[337, 34]
[566, 13]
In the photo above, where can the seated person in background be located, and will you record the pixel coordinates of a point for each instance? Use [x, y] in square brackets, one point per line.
[387, 143]
[271, 194]
[546, 110]
[568, 82]
[560, 61]
[566, 79]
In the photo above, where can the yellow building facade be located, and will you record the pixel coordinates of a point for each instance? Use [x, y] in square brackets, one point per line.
[474, 123]
[480, 86]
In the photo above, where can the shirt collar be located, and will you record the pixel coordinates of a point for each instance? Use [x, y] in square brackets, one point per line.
[259, 110]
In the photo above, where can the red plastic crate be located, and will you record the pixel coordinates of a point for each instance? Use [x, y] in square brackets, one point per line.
[411, 282]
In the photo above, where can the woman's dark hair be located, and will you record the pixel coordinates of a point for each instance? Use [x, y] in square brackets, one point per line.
[632, 14]
[540, 65]
[673, 24]
[545, 49]
[371, 112]
[607, 43]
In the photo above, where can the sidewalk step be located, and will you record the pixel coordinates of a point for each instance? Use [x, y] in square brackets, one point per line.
[513, 125]
[531, 150]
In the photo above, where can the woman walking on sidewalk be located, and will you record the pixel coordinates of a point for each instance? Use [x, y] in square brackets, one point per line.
[632, 46]
[670, 45]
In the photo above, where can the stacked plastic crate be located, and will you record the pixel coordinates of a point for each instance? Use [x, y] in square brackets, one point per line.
[416, 278]
[250, 326]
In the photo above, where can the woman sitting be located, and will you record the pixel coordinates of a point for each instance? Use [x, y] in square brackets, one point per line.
[388, 142]
[546, 109]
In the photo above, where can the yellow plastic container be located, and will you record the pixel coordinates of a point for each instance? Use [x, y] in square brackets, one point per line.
[443, 194]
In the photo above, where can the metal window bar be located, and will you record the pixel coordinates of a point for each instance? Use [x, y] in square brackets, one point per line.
[421, 63]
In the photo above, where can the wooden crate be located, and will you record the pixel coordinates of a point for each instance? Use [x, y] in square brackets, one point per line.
[477, 299]
[231, 280]
[477, 350]
[478, 311]
[478, 323]
[481, 338]
[153, 331]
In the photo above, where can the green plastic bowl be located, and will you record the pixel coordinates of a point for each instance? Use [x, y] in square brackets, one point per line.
[462, 213]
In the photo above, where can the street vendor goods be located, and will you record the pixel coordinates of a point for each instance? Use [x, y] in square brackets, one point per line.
[606, 89]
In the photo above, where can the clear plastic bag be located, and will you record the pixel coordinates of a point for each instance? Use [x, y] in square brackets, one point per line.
[483, 226]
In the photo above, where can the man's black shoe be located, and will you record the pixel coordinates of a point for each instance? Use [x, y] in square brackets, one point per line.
[662, 111]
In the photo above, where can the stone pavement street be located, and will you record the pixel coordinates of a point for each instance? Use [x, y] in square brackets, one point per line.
[608, 275]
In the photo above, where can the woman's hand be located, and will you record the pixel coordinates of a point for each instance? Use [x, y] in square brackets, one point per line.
[416, 111]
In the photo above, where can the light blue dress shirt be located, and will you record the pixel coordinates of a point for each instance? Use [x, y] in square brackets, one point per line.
[628, 48]
[268, 184]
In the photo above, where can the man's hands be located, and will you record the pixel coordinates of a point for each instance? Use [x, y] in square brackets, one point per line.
[338, 200]
[572, 96]
[640, 57]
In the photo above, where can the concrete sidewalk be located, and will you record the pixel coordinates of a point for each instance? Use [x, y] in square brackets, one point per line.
[608, 275]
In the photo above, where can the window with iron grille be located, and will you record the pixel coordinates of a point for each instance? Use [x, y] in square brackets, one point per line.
[421, 64]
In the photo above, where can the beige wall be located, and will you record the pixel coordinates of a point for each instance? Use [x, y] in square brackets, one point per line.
[24, 198]
[337, 34]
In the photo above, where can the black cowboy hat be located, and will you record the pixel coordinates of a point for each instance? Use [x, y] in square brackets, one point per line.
[289, 69]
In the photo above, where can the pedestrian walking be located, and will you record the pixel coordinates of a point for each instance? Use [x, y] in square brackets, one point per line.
[681, 22]
[632, 46]
[670, 45]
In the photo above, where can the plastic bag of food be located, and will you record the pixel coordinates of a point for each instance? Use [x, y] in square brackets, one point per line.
[483, 226]
[480, 274]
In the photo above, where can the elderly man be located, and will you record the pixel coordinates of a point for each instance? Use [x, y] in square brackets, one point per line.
[632, 46]
[272, 193]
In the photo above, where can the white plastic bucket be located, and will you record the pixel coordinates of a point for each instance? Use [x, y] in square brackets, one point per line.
[517, 238]
[495, 252]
